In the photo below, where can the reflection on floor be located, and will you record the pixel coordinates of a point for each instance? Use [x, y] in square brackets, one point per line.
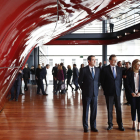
[40, 117]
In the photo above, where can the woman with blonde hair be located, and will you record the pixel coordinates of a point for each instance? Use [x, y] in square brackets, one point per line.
[133, 87]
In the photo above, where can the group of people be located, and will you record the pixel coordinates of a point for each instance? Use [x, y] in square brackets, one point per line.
[89, 79]
[110, 78]
[35, 76]
[60, 74]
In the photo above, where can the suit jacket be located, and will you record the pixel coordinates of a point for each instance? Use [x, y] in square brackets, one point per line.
[130, 85]
[37, 73]
[18, 81]
[43, 73]
[75, 74]
[110, 85]
[124, 73]
[89, 85]
[69, 74]
[26, 73]
[64, 72]
[54, 71]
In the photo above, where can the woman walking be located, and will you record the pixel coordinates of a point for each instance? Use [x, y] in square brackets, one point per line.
[69, 74]
[60, 79]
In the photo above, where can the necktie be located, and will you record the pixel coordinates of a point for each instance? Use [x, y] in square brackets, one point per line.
[92, 72]
[114, 74]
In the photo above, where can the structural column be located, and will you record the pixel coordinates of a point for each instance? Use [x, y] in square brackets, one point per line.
[104, 47]
[34, 58]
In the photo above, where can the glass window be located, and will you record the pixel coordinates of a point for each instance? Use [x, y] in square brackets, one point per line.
[127, 48]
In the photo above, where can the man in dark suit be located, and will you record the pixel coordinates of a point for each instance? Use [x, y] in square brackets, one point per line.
[43, 73]
[111, 81]
[75, 77]
[100, 66]
[125, 71]
[26, 76]
[16, 86]
[54, 73]
[89, 81]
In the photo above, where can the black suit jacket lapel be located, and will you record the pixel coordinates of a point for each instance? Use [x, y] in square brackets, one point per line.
[110, 71]
[139, 80]
[133, 80]
[89, 71]
[117, 71]
[95, 72]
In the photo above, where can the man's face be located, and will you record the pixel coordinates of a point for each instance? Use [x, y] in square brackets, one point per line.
[120, 64]
[127, 65]
[92, 62]
[113, 61]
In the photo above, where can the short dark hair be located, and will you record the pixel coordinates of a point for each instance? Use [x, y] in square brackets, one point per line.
[89, 57]
[118, 62]
[74, 65]
[47, 65]
[61, 64]
[128, 62]
[113, 55]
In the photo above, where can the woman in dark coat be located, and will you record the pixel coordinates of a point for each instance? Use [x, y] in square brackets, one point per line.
[133, 88]
[69, 74]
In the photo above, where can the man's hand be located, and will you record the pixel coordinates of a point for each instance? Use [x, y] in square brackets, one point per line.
[20, 71]
[134, 95]
[138, 95]
[124, 76]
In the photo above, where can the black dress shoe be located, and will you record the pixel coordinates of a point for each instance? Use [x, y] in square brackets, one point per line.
[45, 94]
[110, 127]
[133, 128]
[85, 130]
[16, 100]
[121, 128]
[138, 130]
[11, 99]
[94, 130]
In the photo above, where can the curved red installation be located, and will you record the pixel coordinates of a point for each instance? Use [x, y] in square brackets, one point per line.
[25, 24]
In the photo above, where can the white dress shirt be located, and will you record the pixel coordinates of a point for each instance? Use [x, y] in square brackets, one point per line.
[114, 69]
[91, 69]
[111, 21]
[136, 80]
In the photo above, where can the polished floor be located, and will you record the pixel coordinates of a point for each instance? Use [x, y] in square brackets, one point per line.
[58, 117]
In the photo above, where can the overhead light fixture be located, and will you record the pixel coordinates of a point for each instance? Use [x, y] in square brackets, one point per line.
[127, 33]
[135, 30]
[119, 36]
